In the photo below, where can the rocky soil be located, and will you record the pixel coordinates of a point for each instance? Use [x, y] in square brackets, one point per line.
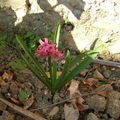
[97, 89]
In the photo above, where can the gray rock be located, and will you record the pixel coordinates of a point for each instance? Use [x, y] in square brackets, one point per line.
[95, 22]
[96, 102]
[106, 72]
[113, 104]
[92, 116]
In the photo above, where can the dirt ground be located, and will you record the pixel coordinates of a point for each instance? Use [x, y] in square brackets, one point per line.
[92, 95]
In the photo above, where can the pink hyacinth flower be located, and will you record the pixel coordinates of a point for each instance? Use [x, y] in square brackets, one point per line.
[43, 48]
[57, 55]
[48, 50]
[51, 49]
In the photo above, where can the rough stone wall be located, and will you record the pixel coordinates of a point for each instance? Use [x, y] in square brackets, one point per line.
[99, 24]
[38, 15]
[95, 21]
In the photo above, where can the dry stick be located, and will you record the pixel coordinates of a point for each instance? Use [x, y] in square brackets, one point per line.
[21, 110]
[63, 101]
[107, 63]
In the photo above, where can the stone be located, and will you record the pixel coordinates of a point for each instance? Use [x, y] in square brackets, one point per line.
[96, 102]
[98, 75]
[113, 104]
[116, 85]
[106, 72]
[92, 116]
[54, 111]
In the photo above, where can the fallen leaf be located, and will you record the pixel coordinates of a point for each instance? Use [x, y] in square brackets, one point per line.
[106, 87]
[28, 102]
[78, 102]
[98, 75]
[14, 100]
[89, 83]
[103, 93]
[73, 87]
[8, 75]
[92, 80]
[54, 111]
[84, 72]
[71, 113]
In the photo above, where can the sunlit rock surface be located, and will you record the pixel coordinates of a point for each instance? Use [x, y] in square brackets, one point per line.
[95, 21]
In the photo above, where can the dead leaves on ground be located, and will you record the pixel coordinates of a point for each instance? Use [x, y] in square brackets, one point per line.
[71, 108]
[77, 104]
[11, 89]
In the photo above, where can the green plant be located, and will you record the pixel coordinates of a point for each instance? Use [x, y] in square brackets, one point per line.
[18, 64]
[71, 67]
[31, 40]
[23, 95]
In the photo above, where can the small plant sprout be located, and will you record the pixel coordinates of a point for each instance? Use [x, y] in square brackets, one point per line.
[50, 51]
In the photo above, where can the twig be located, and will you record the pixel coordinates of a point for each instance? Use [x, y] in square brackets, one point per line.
[107, 63]
[61, 102]
[21, 110]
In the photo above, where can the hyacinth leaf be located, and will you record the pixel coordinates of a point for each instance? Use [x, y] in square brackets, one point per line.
[82, 55]
[55, 64]
[36, 73]
[57, 35]
[82, 65]
[65, 69]
[35, 68]
[24, 47]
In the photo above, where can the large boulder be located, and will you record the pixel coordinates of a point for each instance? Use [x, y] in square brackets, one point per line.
[95, 22]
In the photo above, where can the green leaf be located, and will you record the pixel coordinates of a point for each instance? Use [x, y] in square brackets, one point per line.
[24, 95]
[36, 72]
[65, 70]
[82, 65]
[57, 35]
[35, 62]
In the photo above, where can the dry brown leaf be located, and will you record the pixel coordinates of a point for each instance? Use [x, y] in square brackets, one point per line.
[103, 93]
[14, 100]
[98, 75]
[78, 102]
[106, 87]
[73, 87]
[84, 72]
[89, 83]
[71, 113]
[28, 102]
[54, 111]
[8, 75]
